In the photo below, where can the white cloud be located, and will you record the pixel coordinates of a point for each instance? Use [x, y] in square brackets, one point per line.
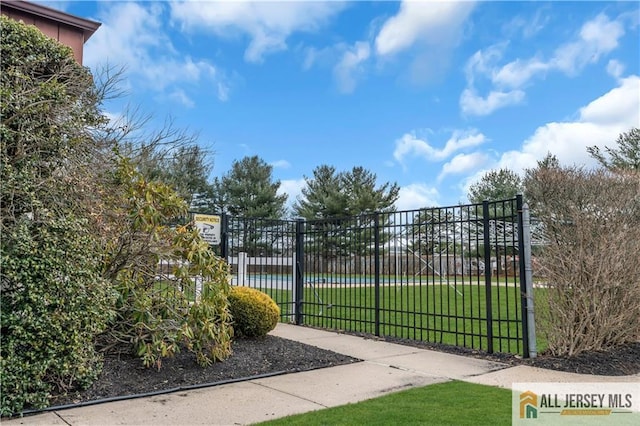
[128, 30]
[280, 164]
[175, 70]
[436, 25]
[463, 163]
[599, 123]
[517, 73]
[132, 35]
[473, 104]
[348, 62]
[223, 91]
[615, 68]
[350, 66]
[620, 107]
[293, 189]
[483, 62]
[409, 145]
[416, 196]
[433, 23]
[178, 95]
[596, 38]
[326, 57]
[529, 26]
[310, 57]
[268, 25]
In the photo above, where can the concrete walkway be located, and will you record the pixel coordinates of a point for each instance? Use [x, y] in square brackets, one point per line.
[387, 368]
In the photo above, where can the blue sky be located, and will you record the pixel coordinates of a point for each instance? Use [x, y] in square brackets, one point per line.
[427, 94]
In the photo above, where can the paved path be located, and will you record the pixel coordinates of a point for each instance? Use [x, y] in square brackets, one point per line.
[387, 368]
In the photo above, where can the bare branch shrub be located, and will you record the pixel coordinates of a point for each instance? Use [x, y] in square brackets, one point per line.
[591, 261]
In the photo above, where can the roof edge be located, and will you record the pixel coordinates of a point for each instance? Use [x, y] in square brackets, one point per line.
[89, 27]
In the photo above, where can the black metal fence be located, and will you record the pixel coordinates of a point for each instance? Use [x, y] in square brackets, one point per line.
[452, 275]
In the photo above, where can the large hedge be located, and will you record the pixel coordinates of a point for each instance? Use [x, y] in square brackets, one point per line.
[54, 301]
[82, 234]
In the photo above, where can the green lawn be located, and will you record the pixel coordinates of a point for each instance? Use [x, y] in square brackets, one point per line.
[450, 403]
[440, 313]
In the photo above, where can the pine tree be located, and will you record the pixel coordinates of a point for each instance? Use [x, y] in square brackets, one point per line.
[248, 190]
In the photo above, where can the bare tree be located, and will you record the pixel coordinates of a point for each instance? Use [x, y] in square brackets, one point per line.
[592, 230]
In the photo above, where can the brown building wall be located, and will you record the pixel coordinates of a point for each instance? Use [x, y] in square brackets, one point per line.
[69, 35]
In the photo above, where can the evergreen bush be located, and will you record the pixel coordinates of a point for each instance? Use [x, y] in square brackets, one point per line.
[254, 313]
[54, 300]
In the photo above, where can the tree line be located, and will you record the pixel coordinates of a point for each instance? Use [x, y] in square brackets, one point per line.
[249, 189]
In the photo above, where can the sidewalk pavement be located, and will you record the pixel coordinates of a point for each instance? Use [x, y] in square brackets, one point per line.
[387, 368]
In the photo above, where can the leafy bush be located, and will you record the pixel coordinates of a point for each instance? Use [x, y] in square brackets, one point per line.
[54, 303]
[152, 311]
[82, 233]
[254, 313]
[592, 227]
[49, 105]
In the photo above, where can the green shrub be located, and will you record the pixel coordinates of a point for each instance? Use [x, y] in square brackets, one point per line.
[54, 304]
[54, 300]
[254, 313]
[81, 235]
[158, 319]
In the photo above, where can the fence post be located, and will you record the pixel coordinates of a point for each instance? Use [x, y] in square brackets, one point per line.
[526, 281]
[299, 272]
[224, 236]
[486, 223]
[376, 269]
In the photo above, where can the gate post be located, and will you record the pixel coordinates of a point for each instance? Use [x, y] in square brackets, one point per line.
[486, 223]
[224, 237]
[299, 273]
[376, 270]
[526, 280]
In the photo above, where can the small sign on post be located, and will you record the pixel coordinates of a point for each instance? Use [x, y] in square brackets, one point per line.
[209, 227]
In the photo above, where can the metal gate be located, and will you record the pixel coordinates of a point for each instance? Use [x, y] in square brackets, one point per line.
[453, 275]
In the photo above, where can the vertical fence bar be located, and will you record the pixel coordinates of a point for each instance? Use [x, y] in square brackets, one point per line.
[526, 281]
[224, 236]
[486, 223]
[376, 269]
[523, 278]
[299, 272]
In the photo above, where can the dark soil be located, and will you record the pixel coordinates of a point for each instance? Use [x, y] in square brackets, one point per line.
[621, 361]
[124, 375]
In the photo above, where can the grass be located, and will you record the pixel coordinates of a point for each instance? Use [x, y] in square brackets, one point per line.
[448, 313]
[450, 403]
[434, 312]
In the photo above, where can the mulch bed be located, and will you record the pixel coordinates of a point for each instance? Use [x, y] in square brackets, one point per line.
[621, 361]
[124, 374]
